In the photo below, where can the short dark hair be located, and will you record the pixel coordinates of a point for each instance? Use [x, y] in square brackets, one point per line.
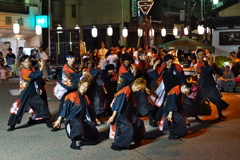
[200, 50]
[20, 47]
[70, 54]
[164, 51]
[109, 67]
[126, 57]
[168, 57]
[23, 58]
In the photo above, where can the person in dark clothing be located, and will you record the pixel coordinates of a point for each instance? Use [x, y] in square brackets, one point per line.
[131, 127]
[29, 99]
[79, 115]
[173, 113]
[97, 91]
[110, 83]
[207, 83]
[164, 78]
[67, 81]
[127, 72]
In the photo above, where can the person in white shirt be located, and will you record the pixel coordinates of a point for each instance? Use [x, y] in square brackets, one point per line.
[102, 53]
[112, 58]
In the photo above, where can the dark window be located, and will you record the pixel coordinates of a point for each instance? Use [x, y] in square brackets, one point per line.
[73, 11]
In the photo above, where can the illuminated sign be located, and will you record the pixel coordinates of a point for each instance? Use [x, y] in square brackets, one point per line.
[42, 20]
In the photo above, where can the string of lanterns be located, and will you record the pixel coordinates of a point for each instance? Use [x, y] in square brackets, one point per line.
[94, 31]
[16, 29]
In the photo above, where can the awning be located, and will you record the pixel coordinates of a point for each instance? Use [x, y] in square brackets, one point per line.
[186, 44]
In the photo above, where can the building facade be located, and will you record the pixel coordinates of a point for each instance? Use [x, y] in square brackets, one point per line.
[23, 12]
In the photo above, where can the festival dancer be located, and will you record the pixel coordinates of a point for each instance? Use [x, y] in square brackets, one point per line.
[131, 127]
[78, 112]
[29, 99]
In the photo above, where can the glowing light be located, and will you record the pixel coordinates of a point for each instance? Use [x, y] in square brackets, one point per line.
[163, 32]
[109, 31]
[16, 28]
[94, 32]
[38, 29]
[125, 32]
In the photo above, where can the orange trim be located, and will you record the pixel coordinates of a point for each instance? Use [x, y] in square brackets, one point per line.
[175, 90]
[122, 70]
[73, 97]
[126, 90]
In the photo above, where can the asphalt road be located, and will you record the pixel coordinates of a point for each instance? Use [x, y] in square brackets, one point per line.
[213, 139]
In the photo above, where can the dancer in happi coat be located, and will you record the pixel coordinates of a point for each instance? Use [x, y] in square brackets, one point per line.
[79, 115]
[29, 99]
[128, 127]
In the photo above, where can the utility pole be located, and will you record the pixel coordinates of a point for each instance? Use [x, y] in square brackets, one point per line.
[189, 17]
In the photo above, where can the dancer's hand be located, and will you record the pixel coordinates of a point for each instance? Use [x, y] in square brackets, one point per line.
[169, 117]
[56, 124]
[110, 120]
[155, 64]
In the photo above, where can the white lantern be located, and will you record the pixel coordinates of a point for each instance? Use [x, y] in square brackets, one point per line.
[200, 29]
[163, 32]
[185, 31]
[38, 29]
[140, 32]
[175, 31]
[151, 32]
[215, 1]
[59, 28]
[76, 27]
[124, 32]
[109, 31]
[94, 32]
[16, 28]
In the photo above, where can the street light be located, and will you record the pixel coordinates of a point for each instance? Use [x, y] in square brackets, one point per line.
[94, 32]
[124, 32]
[16, 27]
[38, 30]
[58, 44]
[109, 30]
[59, 28]
[76, 27]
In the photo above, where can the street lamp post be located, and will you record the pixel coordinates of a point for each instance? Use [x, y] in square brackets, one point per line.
[58, 44]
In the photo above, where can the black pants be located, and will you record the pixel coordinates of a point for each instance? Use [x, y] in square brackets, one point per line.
[79, 129]
[178, 126]
[38, 106]
[212, 93]
[131, 130]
